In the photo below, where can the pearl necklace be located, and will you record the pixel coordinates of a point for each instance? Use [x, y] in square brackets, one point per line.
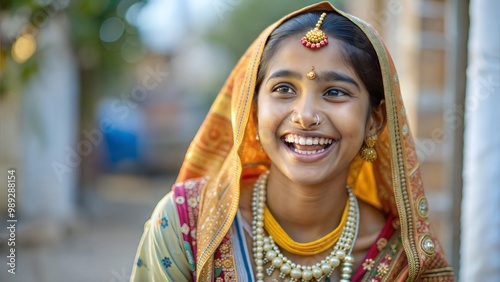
[265, 249]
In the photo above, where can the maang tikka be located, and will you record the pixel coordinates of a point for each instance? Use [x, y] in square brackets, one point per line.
[315, 38]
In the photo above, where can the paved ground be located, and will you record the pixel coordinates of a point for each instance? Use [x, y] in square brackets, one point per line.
[101, 245]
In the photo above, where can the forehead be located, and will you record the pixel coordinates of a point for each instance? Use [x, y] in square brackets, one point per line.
[292, 55]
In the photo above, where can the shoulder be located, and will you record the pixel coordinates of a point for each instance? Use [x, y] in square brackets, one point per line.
[182, 193]
[190, 186]
[186, 194]
[163, 253]
[178, 193]
[164, 215]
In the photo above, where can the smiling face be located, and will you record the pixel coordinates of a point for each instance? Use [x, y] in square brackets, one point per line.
[289, 105]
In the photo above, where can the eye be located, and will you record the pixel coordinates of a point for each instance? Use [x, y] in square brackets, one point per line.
[334, 92]
[284, 89]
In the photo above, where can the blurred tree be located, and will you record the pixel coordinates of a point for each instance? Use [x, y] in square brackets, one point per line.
[104, 41]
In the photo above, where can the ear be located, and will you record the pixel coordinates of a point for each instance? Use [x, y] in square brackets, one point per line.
[376, 120]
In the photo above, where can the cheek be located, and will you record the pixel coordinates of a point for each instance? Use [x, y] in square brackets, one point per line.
[352, 122]
[269, 116]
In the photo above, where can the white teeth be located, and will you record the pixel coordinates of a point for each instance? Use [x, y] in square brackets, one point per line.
[307, 140]
[308, 152]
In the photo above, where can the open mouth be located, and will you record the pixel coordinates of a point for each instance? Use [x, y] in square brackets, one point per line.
[307, 145]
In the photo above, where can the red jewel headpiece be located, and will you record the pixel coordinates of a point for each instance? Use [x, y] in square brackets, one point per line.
[315, 38]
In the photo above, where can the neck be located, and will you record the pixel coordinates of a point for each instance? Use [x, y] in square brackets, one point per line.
[317, 208]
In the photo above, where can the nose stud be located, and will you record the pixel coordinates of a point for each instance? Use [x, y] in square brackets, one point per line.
[294, 116]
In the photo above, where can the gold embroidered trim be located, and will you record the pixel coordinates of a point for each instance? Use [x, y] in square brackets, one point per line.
[394, 252]
[445, 271]
[414, 169]
[399, 176]
[207, 255]
[398, 171]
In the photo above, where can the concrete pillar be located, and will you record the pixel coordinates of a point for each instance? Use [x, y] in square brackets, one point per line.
[480, 249]
[49, 126]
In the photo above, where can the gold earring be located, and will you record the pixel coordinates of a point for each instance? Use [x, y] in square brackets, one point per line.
[367, 152]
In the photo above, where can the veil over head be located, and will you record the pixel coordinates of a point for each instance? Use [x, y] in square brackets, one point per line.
[225, 149]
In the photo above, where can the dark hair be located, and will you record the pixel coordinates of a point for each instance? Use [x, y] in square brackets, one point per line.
[356, 48]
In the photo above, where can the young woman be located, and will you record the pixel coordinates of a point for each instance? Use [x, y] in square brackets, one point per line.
[304, 169]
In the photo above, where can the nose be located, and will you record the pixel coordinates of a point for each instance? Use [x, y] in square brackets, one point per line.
[305, 114]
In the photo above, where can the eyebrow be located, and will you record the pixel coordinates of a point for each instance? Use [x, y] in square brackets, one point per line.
[336, 76]
[284, 74]
[321, 76]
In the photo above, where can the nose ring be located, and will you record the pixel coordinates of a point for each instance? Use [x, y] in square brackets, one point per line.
[294, 116]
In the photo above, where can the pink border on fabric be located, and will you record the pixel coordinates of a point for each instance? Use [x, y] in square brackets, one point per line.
[187, 214]
[386, 233]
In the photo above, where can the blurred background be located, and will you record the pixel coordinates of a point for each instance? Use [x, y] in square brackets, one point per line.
[100, 99]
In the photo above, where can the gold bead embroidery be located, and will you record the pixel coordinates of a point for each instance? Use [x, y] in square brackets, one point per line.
[368, 264]
[382, 269]
[381, 244]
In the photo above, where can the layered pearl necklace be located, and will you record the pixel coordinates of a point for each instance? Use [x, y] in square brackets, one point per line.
[265, 249]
